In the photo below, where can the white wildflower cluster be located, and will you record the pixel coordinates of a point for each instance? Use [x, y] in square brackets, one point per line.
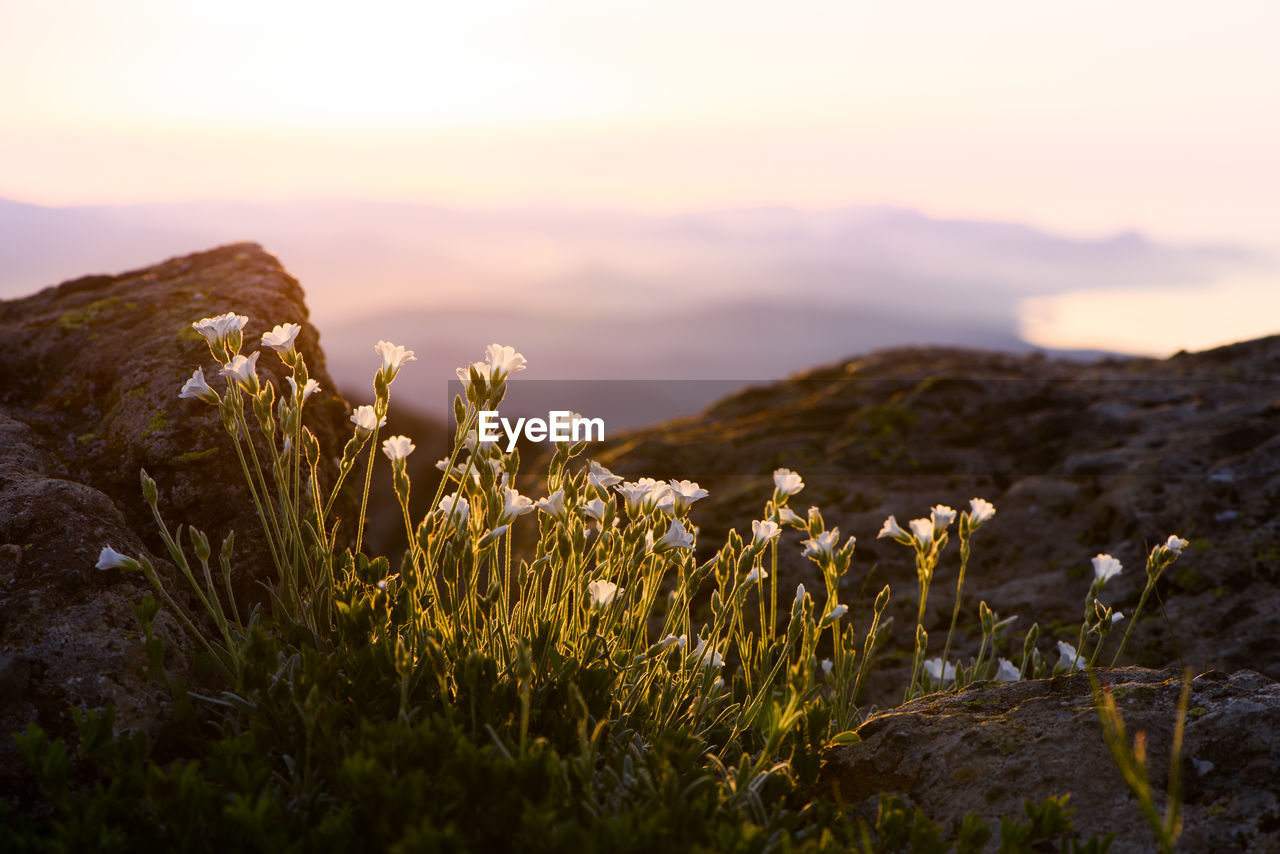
[928, 537]
[614, 562]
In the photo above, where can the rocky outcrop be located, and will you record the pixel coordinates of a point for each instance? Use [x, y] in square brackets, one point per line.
[988, 748]
[90, 372]
[1078, 458]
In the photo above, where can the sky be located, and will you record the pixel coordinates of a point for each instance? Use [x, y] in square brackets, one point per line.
[1085, 119]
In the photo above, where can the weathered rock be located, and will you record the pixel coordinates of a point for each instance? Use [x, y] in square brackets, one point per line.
[989, 747]
[1078, 458]
[89, 377]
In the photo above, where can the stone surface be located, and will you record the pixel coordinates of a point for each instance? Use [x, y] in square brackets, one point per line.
[90, 372]
[989, 747]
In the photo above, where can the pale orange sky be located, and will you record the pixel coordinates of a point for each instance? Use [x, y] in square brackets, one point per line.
[1084, 118]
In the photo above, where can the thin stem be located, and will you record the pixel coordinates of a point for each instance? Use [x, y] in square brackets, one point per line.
[1133, 620]
[955, 613]
[368, 480]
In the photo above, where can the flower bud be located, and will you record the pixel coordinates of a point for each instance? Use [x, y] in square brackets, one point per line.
[200, 544]
[149, 492]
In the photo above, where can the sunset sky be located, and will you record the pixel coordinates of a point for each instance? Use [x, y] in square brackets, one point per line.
[1084, 119]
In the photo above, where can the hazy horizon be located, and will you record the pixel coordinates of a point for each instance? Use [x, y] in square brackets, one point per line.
[1085, 177]
[360, 260]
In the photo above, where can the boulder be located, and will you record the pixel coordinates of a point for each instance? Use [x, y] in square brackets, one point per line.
[987, 748]
[90, 372]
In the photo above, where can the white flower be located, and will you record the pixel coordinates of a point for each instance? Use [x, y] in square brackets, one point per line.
[941, 675]
[1116, 616]
[281, 338]
[787, 482]
[685, 492]
[600, 477]
[700, 655]
[632, 494]
[553, 504]
[826, 664]
[763, 532]
[514, 505]
[836, 613]
[309, 389]
[942, 517]
[504, 361]
[821, 545]
[393, 357]
[643, 495]
[457, 471]
[671, 640]
[602, 592]
[1007, 672]
[1105, 568]
[196, 388]
[455, 508]
[225, 330]
[109, 558]
[473, 443]
[756, 574]
[595, 508]
[1067, 654]
[366, 420]
[799, 596]
[243, 372]
[676, 537]
[397, 448]
[787, 516]
[464, 374]
[980, 510]
[1175, 544]
[891, 528]
[922, 531]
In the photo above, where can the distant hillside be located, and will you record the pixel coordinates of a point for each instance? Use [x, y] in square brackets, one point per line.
[738, 296]
[631, 370]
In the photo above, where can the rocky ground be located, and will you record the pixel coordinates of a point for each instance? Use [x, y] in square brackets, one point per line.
[990, 747]
[89, 378]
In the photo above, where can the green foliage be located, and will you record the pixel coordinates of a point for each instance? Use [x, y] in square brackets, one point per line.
[1047, 827]
[1131, 760]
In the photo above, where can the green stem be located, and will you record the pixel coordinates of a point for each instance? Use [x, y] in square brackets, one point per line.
[955, 613]
[368, 480]
[1133, 620]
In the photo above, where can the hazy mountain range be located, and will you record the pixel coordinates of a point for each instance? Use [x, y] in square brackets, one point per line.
[733, 296]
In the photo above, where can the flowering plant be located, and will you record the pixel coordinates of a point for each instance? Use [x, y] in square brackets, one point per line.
[614, 639]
